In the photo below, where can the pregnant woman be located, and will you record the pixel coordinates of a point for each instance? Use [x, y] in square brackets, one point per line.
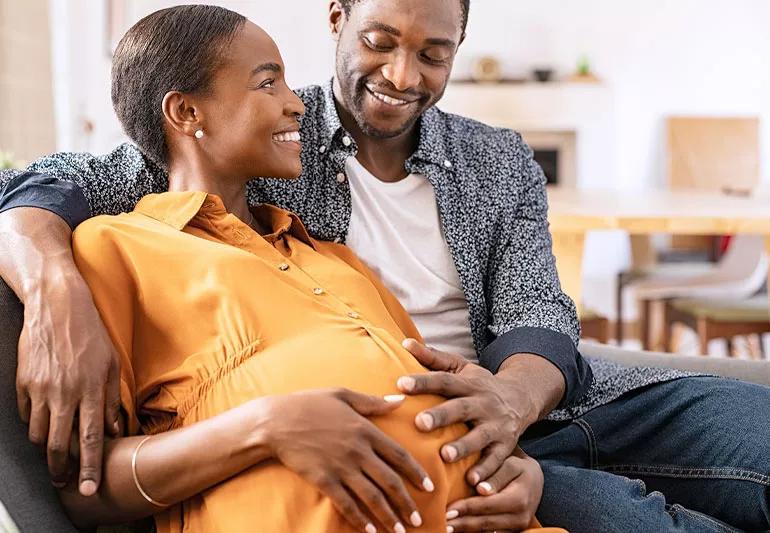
[244, 342]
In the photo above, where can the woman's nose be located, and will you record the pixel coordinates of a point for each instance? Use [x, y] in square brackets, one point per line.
[294, 105]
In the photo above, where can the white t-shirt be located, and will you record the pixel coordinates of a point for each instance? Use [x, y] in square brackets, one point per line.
[395, 229]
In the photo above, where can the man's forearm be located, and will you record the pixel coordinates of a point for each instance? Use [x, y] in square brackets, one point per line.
[543, 380]
[35, 250]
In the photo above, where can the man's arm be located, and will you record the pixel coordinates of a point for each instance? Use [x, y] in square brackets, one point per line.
[66, 360]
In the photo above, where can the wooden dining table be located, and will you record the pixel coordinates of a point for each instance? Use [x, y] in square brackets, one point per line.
[575, 212]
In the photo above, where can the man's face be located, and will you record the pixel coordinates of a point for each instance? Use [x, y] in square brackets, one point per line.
[394, 58]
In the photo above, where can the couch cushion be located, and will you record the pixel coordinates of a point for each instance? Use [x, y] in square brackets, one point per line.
[26, 491]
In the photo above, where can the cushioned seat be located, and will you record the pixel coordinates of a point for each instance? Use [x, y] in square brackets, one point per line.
[752, 310]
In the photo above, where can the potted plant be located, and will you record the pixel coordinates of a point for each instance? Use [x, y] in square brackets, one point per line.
[7, 161]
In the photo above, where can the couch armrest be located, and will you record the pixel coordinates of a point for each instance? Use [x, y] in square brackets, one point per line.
[751, 371]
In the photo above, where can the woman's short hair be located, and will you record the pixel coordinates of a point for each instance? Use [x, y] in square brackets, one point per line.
[174, 49]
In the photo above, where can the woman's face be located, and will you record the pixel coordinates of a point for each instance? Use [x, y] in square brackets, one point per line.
[250, 118]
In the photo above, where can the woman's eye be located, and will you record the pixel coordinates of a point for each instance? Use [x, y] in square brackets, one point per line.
[267, 84]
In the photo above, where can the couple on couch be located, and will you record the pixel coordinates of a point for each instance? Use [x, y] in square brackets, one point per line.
[253, 373]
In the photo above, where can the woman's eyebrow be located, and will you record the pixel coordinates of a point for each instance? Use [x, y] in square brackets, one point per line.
[271, 67]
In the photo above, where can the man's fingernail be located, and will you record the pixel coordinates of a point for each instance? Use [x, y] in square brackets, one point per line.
[485, 488]
[450, 453]
[450, 529]
[58, 484]
[399, 528]
[394, 398]
[406, 383]
[370, 528]
[427, 484]
[451, 515]
[426, 419]
[474, 479]
[87, 488]
[415, 519]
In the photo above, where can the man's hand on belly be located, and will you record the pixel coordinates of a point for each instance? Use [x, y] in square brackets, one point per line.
[325, 437]
[497, 412]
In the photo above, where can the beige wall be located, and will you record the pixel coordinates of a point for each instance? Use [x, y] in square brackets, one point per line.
[26, 95]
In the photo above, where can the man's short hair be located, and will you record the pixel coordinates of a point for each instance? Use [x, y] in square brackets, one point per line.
[465, 4]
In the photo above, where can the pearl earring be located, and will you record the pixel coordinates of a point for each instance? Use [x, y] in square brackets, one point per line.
[199, 134]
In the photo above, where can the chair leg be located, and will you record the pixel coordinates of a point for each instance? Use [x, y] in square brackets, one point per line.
[703, 336]
[620, 282]
[644, 324]
[668, 325]
[730, 347]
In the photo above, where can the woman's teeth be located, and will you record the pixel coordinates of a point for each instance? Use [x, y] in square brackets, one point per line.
[291, 136]
[388, 99]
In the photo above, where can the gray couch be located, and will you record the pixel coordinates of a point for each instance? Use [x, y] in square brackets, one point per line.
[31, 501]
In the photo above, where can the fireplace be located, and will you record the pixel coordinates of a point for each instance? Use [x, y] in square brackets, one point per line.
[555, 153]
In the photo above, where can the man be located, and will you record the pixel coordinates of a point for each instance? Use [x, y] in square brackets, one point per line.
[452, 215]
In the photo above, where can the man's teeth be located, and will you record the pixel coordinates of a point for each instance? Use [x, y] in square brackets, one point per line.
[287, 137]
[388, 99]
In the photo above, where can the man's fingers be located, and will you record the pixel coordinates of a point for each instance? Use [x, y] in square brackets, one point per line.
[400, 460]
[512, 468]
[492, 460]
[392, 485]
[474, 441]
[453, 411]
[58, 448]
[345, 504]
[112, 400]
[91, 443]
[505, 522]
[23, 403]
[434, 359]
[39, 423]
[442, 383]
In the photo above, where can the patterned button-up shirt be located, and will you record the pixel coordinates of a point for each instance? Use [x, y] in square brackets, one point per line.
[493, 209]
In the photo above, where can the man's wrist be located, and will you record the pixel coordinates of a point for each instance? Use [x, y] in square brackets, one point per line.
[542, 380]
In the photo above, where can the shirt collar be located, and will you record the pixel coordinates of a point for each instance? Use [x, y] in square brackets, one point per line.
[177, 209]
[432, 145]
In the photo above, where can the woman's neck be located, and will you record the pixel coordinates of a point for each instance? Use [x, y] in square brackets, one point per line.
[232, 192]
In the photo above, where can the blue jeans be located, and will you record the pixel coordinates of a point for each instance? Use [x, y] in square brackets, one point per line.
[687, 455]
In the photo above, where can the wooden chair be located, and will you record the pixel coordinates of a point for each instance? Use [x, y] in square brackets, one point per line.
[718, 319]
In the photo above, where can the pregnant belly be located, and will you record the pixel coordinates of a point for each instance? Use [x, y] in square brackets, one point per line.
[268, 497]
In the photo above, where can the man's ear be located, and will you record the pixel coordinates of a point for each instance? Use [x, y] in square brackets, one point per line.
[337, 19]
[181, 113]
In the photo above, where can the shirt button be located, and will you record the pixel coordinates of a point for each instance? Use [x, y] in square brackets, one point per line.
[322, 149]
[283, 267]
[448, 163]
[353, 314]
[341, 178]
[347, 141]
[318, 291]
[338, 240]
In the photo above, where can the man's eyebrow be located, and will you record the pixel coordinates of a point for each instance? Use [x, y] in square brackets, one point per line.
[433, 41]
[271, 67]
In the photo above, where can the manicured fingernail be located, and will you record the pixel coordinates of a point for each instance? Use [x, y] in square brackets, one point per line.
[116, 427]
[399, 528]
[88, 488]
[450, 453]
[406, 383]
[450, 529]
[370, 528]
[474, 478]
[426, 420]
[485, 488]
[451, 515]
[415, 519]
[394, 398]
[405, 343]
[427, 484]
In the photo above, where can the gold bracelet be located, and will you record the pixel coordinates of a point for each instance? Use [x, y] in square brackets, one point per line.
[136, 478]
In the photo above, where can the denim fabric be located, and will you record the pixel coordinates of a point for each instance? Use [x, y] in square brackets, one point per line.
[686, 455]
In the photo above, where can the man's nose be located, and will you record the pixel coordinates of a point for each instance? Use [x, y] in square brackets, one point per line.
[402, 71]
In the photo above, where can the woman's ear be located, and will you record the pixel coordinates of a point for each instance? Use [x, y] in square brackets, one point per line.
[336, 19]
[181, 113]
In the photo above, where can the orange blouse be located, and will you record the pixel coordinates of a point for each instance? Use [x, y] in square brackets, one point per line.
[207, 314]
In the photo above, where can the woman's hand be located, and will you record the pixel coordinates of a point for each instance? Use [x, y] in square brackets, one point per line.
[325, 437]
[508, 500]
